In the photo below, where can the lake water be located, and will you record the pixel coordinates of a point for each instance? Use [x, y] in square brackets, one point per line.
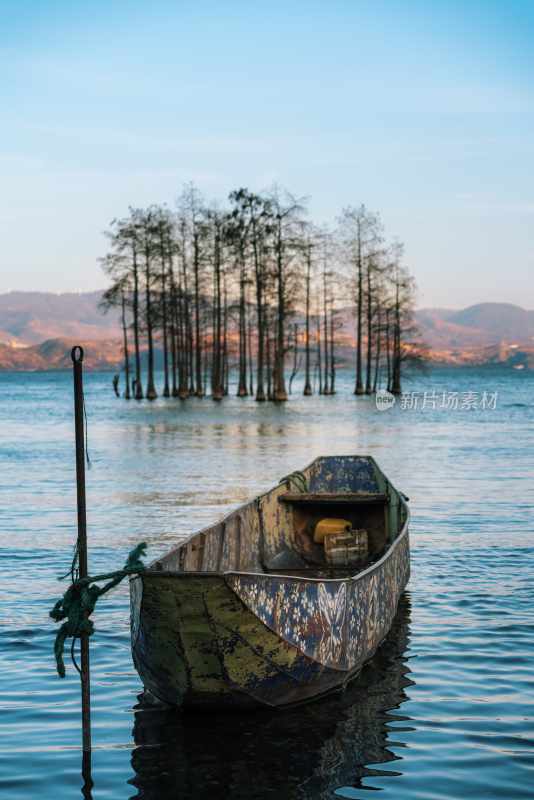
[445, 710]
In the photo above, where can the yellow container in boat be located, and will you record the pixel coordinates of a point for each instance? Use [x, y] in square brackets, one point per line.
[326, 527]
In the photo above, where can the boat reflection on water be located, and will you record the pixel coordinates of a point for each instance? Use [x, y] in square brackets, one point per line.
[304, 752]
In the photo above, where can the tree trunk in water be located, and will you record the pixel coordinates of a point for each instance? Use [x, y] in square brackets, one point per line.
[378, 349]
[151, 393]
[368, 362]
[279, 381]
[125, 345]
[217, 385]
[225, 372]
[250, 361]
[269, 367]
[173, 328]
[326, 389]
[263, 367]
[199, 391]
[295, 369]
[187, 387]
[319, 362]
[260, 390]
[307, 383]
[358, 389]
[185, 341]
[206, 361]
[174, 336]
[183, 346]
[138, 392]
[242, 384]
[166, 391]
[190, 356]
[388, 353]
[396, 376]
[332, 360]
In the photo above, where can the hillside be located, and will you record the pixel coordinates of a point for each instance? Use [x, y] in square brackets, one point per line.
[55, 354]
[502, 320]
[31, 317]
[37, 330]
[483, 324]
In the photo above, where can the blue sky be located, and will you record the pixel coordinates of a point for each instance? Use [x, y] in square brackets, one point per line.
[424, 111]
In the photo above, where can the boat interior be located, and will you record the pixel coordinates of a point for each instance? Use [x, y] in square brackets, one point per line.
[333, 519]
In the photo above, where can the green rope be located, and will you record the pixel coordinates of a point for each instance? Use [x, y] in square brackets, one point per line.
[79, 601]
[298, 479]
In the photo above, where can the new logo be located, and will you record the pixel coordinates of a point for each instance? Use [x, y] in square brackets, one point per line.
[384, 400]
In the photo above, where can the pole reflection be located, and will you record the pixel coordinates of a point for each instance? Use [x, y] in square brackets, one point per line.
[306, 752]
[87, 778]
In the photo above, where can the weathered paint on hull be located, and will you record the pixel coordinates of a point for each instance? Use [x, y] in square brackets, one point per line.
[308, 752]
[247, 640]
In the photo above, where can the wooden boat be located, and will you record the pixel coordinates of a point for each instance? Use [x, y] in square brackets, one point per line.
[307, 752]
[248, 612]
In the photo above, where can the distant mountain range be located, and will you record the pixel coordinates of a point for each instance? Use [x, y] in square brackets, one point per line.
[28, 318]
[37, 330]
[55, 354]
[480, 325]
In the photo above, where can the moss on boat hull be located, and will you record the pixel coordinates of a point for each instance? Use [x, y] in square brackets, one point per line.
[245, 640]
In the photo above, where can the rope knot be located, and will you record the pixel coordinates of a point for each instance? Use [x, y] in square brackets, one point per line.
[79, 601]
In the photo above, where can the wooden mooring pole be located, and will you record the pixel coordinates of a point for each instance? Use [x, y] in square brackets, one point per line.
[77, 362]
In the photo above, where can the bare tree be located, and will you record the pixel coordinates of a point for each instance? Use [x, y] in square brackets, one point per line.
[309, 262]
[238, 230]
[146, 223]
[358, 232]
[294, 346]
[286, 213]
[252, 216]
[318, 361]
[162, 233]
[406, 349]
[117, 296]
[122, 262]
[194, 234]
[217, 225]
[220, 288]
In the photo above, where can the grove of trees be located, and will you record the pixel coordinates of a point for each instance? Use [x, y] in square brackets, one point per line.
[257, 289]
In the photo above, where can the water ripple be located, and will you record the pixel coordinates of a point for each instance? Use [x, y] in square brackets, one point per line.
[446, 709]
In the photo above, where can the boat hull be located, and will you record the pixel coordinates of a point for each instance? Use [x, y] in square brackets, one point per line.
[244, 640]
